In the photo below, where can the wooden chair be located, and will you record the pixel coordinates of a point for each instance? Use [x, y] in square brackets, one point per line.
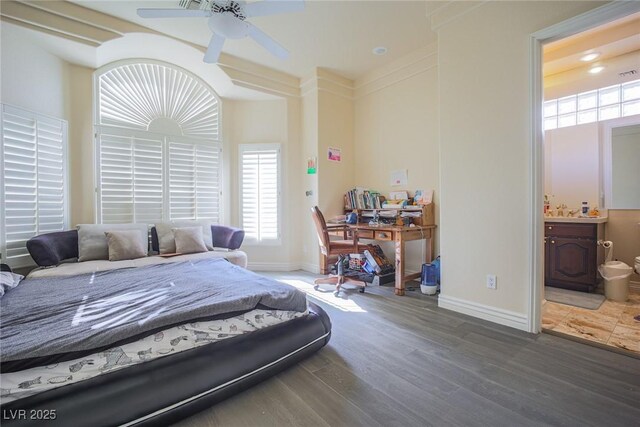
[341, 248]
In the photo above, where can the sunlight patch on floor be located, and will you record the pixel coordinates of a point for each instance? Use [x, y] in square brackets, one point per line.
[326, 296]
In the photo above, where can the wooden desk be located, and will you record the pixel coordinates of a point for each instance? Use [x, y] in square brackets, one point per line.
[399, 235]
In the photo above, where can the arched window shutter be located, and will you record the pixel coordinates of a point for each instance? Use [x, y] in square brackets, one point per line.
[158, 140]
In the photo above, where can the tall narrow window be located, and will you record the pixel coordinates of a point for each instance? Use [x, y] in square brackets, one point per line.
[33, 165]
[158, 145]
[260, 192]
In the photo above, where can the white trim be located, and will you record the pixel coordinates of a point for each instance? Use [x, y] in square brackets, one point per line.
[582, 22]
[204, 393]
[492, 314]
[273, 266]
[605, 130]
[536, 189]
[310, 267]
[634, 286]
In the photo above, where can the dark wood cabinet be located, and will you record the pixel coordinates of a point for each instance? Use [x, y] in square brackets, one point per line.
[572, 255]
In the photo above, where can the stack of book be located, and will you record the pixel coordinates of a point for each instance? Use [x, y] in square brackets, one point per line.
[377, 261]
[360, 198]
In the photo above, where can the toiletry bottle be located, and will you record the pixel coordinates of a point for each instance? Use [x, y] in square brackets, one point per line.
[585, 209]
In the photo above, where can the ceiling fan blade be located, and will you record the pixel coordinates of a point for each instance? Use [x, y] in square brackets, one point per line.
[173, 13]
[267, 42]
[273, 7]
[214, 49]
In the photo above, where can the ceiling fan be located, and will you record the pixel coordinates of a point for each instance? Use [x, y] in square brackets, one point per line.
[227, 20]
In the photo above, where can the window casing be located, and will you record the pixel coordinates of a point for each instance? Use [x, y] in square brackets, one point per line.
[158, 147]
[260, 195]
[33, 194]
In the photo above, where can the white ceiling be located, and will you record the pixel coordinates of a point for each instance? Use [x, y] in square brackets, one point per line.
[337, 35]
[610, 40]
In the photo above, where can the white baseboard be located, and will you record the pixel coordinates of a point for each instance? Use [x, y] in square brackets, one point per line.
[492, 314]
[273, 266]
[634, 286]
[310, 268]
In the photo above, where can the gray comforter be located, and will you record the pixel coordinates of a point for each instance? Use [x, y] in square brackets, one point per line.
[48, 316]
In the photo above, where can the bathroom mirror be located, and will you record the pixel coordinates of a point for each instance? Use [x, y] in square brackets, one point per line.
[621, 163]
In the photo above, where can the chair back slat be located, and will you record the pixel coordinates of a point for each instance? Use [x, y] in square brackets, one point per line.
[321, 229]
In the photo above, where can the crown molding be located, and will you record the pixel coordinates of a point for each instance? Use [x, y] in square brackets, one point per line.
[79, 24]
[415, 63]
[34, 16]
[445, 13]
[327, 81]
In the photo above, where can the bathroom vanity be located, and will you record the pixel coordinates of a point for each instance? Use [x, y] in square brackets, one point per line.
[572, 253]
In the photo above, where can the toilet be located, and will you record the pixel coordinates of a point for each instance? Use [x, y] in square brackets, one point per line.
[616, 276]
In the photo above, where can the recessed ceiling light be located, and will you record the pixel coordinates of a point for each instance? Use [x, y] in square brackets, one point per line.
[596, 69]
[590, 57]
[380, 50]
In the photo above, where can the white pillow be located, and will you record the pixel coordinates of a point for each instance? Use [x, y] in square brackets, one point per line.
[166, 239]
[92, 242]
[8, 281]
[189, 240]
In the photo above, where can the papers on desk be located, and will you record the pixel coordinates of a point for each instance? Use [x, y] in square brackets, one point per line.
[414, 214]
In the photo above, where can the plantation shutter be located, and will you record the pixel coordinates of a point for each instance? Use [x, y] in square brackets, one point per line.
[158, 133]
[194, 177]
[33, 167]
[131, 179]
[259, 176]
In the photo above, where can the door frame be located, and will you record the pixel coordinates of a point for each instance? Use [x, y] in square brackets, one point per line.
[593, 18]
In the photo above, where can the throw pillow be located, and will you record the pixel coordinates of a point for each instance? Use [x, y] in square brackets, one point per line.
[206, 229]
[125, 244]
[92, 242]
[166, 240]
[189, 240]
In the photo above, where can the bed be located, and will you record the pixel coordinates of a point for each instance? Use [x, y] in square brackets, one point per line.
[201, 330]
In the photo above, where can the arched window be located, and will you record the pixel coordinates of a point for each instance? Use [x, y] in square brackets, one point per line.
[158, 145]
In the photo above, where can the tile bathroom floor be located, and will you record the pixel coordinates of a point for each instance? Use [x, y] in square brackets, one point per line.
[612, 324]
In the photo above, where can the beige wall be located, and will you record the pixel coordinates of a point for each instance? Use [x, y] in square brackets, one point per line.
[262, 122]
[309, 149]
[572, 165]
[33, 78]
[81, 147]
[623, 229]
[396, 127]
[484, 67]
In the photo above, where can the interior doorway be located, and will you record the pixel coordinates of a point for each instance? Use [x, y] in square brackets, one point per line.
[585, 84]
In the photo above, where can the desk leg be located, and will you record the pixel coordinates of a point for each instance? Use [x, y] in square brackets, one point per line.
[399, 290]
[428, 242]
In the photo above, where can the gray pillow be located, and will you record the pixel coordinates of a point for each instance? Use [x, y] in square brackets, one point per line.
[204, 223]
[166, 239]
[8, 281]
[189, 240]
[92, 242]
[125, 244]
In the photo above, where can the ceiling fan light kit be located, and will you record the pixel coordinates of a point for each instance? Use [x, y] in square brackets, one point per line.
[227, 20]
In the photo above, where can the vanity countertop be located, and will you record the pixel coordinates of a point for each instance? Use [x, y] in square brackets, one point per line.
[577, 220]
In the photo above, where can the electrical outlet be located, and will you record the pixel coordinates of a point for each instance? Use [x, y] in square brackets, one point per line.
[492, 281]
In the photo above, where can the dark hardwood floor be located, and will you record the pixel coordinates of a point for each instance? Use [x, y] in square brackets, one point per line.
[402, 361]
